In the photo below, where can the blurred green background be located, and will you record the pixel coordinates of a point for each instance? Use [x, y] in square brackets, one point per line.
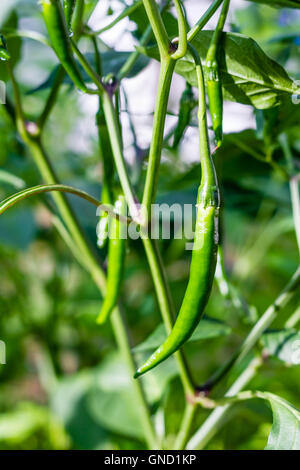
[64, 386]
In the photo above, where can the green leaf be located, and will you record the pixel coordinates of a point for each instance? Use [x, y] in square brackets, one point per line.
[285, 431]
[283, 344]
[207, 328]
[248, 78]
[116, 411]
[111, 401]
[69, 403]
[279, 3]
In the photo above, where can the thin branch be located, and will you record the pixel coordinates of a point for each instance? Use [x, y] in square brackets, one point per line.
[204, 19]
[158, 27]
[182, 32]
[126, 12]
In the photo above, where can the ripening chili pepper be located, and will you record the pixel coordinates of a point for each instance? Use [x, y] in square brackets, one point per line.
[4, 54]
[204, 256]
[213, 77]
[69, 6]
[59, 35]
[116, 257]
[187, 104]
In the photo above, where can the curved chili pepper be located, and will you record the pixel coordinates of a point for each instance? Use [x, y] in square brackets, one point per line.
[59, 35]
[213, 78]
[69, 6]
[204, 256]
[187, 104]
[116, 257]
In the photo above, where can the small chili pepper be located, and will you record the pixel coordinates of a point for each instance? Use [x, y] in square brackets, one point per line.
[59, 35]
[4, 54]
[116, 257]
[69, 6]
[187, 104]
[204, 256]
[106, 157]
[215, 99]
[213, 77]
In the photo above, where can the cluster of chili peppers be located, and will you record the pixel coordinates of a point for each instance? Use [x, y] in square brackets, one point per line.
[58, 20]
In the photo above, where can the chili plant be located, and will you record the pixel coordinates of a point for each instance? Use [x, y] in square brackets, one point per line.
[214, 348]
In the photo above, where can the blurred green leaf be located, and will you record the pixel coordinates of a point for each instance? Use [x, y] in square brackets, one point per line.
[26, 420]
[112, 62]
[279, 3]
[283, 344]
[13, 46]
[69, 403]
[18, 228]
[116, 411]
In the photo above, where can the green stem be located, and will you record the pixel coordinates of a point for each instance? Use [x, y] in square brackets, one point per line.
[208, 174]
[185, 427]
[132, 59]
[158, 27]
[268, 317]
[258, 329]
[60, 74]
[182, 32]
[50, 103]
[294, 184]
[204, 19]
[216, 419]
[17, 197]
[116, 143]
[213, 47]
[164, 84]
[89, 70]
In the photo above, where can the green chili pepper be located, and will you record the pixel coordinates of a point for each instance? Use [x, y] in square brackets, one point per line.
[59, 35]
[204, 256]
[69, 6]
[108, 173]
[213, 77]
[187, 104]
[4, 54]
[215, 99]
[116, 257]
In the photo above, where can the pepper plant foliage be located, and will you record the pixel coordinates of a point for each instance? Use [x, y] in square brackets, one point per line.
[211, 334]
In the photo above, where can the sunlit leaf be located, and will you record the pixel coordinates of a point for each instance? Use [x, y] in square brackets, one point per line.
[283, 344]
[248, 78]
